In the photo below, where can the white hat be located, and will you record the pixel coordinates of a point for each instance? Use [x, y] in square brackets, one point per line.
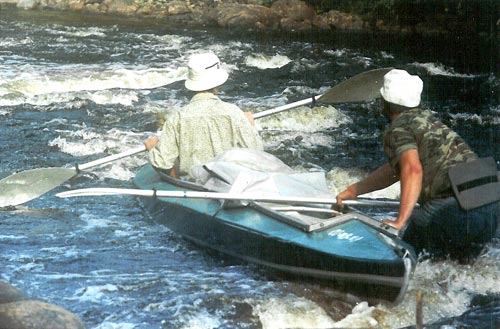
[205, 72]
[401, 88]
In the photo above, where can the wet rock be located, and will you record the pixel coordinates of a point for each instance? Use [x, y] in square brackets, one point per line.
[10, 294]
[296, 14]
[178, 8]
[19, 312]
[26, 4]
[77, 5]
[36, 314]
[244, 16]
[124, 7]
[338, 20]
[287, 15]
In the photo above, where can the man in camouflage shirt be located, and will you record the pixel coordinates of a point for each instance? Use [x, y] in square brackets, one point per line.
[420, 151]
[439, 149]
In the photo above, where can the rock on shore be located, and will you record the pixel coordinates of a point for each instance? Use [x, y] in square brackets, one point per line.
[280, 15]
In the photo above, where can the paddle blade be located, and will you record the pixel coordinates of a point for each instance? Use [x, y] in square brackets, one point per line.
[27, 185]
[362, 87]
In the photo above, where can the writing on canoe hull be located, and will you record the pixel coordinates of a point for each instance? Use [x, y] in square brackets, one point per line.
[343, 235]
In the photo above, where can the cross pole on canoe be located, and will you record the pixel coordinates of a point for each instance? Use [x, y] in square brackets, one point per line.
[27, 185]
[103, 191]
[313, 203]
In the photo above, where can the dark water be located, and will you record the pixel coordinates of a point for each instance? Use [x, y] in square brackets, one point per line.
[75, 89]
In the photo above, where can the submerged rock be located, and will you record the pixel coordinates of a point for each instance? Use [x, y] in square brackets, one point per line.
[20, 312]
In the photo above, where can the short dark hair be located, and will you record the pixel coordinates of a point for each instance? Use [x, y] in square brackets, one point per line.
[391, 108]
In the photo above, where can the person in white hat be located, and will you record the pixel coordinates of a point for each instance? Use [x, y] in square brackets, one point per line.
[206, 126]
[421, 151]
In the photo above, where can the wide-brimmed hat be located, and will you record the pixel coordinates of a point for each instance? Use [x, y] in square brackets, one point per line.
[401, 88]
[205, 72]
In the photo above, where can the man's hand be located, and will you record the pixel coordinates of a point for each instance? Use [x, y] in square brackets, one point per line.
[151, 142]
[398, 225]
[347, 194]
[249, 116]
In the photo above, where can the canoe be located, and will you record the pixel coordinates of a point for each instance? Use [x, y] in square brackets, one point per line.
[345, 251]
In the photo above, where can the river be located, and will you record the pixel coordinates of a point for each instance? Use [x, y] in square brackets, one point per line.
[77, 88]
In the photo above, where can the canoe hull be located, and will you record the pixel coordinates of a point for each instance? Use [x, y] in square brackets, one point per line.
[226, 231]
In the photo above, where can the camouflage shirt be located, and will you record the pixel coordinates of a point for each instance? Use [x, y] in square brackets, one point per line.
[439, 149]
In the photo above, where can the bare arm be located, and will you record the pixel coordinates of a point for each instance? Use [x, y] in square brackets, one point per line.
[411, 173]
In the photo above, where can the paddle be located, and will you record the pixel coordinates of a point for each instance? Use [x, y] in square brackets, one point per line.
[223, 196]
[30, 184]
[362, 87]
[26, 185]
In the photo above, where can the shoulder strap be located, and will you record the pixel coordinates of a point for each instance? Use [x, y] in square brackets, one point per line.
[475, 183]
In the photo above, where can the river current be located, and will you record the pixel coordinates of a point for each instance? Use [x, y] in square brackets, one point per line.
[77, 88]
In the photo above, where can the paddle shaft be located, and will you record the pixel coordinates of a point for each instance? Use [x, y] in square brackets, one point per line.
[285, 107]
[362, 87]
[111, 158]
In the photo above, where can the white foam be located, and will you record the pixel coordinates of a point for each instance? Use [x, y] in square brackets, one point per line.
[68, 252]
[169, 41]
[95, 78]
[12, 237]
[387, 55]
[262, 61]
[291, 312]
[93, 221]
[62, 276]
[78, 32]
[447, 287]
[361, 317]
[31, 267]
[201, 320]
[336, 52]
[305, 119]
[77, 148]
[340, 178]
[472, 117]
[440, 69]
[304, 65]
[115, 325]
[85, 141]
[352, 56]
[95, 293]
[7, 43]
[44, 86]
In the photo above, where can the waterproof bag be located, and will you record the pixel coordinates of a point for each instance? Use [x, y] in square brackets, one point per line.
[475, 183]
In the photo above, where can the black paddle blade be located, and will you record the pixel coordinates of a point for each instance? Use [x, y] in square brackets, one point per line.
[360, 88]
[27, 185]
